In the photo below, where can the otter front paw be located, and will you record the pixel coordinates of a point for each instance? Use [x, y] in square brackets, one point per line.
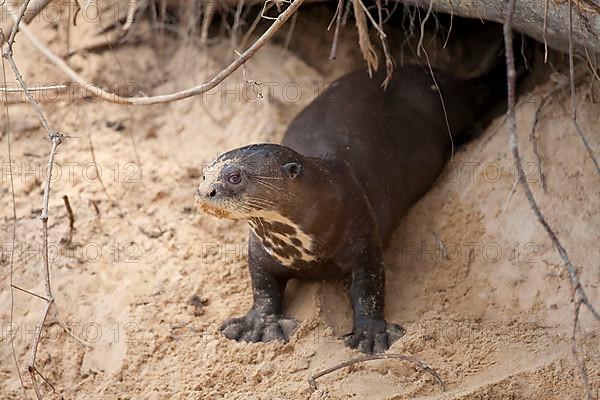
[373, 336]
[258, 326]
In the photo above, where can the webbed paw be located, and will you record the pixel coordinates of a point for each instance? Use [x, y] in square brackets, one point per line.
[258, 326]
[374, 336]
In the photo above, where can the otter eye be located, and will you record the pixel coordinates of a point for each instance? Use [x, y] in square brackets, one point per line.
[203, 177]
[234, 179]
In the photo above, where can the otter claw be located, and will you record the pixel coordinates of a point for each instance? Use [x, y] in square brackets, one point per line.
[374, 336]
[258, 327]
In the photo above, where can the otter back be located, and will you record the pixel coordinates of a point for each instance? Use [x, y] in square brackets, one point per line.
[396, 140]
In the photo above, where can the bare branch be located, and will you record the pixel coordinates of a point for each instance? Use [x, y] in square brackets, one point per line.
[439, 91]
[32, 89]
[424, 367]
[99, 175]
[423, 21]
[551, 95]
[364, 41]
[14, 226]
[17, 19]
[336, 34]
[586, 144]
[36, 341]
[209, 12]
[69, 238]
[131, 9]
[29, 292]
[166, 98]
[512, 125]
[575, 352]
[56, 139]
[8, 55]
[545, 32]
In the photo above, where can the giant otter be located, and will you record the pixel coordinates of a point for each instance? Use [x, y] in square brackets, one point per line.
[324, 202]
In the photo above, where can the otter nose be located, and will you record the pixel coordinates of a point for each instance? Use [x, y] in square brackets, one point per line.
[205, 192]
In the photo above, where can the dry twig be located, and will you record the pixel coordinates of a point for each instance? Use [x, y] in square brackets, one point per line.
[575, 352]
[256, 85]
[14, 227]
[253, 26]
[450, 28]
[71, 218]
[336, 33]
[99, 175]
[209, 12]
[389, 62]
[134, 144]
[361, 14]
[236, 24]
[535, 145]
[9, 90]
[441, 95]
[312, 381]
[26, 13]
[131, 9]
[551, 95]
[512, 125]
[288, 38]
[533, 138]
[573, 98]
[166, 98]
[56, 139]
[423, 21]
[364, 41]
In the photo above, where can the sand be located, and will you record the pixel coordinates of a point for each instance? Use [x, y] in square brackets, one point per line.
[147, 279]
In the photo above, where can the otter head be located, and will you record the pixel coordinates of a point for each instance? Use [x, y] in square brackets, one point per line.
[250, 181]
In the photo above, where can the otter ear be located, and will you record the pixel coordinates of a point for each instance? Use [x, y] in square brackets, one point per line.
[293, 169]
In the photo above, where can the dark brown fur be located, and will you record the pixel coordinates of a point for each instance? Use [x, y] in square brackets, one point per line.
[350, 166]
